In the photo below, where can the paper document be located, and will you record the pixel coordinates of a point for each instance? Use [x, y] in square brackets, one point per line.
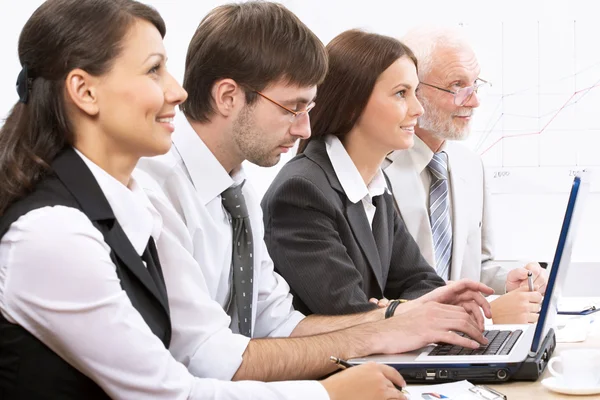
[461, 390]
[578, 304]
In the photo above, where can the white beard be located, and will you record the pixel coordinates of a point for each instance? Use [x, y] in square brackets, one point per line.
[441, 125]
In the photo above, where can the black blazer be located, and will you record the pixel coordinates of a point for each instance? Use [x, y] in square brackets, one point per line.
[28, 368]
[322, 244]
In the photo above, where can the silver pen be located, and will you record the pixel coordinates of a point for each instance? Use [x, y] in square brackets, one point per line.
[530, 280]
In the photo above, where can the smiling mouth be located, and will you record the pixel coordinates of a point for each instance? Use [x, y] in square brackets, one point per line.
[410, 128]
[167, 120]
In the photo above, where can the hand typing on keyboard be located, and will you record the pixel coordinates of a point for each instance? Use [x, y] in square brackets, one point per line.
[465, 293]
[500, 343]
[419, 324]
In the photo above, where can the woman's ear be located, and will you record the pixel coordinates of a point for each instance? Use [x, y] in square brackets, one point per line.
[81, 90]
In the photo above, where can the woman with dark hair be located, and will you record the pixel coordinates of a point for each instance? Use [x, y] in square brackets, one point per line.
[84, 310]
[330, 222]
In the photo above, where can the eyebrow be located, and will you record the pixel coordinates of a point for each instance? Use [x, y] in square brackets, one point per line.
[161, 55]
[301, 100]
[459, 78]
[404, 85]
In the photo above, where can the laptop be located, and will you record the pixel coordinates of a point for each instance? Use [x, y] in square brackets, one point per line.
[509, 345]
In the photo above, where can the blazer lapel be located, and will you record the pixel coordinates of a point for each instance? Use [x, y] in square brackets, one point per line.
[460, 213]
[355, 212]
[80, 181]
[357, 218]
[410, 198]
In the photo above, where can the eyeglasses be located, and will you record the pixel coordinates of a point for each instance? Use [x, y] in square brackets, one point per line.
[462, 95]
[294, 115]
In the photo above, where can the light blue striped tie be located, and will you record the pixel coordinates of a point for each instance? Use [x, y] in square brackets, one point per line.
[439, 213]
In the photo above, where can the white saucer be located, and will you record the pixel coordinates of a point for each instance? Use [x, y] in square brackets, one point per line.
[557, 385]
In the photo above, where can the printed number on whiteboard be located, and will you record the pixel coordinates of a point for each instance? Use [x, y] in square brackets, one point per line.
[574, 172]
[501, 174]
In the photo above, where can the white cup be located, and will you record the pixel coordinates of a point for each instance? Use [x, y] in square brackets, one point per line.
[580, 367]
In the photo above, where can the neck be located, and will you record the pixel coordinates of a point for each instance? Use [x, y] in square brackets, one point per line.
[110, 157]
[366, 157]
[431, 140]
[216, 135]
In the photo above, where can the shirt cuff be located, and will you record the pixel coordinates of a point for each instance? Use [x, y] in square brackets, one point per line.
[286, 328]
[219, 358]
[302, 390]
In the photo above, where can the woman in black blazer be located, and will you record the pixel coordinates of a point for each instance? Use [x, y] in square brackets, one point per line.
[330, 220]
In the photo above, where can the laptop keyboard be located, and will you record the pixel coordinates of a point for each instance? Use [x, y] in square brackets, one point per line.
[500, 343]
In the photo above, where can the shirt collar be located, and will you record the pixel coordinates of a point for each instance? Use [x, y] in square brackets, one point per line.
[422, 154]
[206, 172]
[348, 175]
[130, 205]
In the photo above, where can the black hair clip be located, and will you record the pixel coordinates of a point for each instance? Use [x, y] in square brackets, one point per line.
[24, 84]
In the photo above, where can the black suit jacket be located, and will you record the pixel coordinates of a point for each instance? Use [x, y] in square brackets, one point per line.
[322, 244]
[28, 368]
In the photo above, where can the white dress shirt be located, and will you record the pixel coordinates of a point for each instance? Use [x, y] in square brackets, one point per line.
[351, 180]
[58, 282]
[185, 186]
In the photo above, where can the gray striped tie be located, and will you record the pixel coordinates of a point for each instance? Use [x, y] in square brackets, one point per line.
[439, 213]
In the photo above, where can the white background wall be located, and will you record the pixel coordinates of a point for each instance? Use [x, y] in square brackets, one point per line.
[527, 215]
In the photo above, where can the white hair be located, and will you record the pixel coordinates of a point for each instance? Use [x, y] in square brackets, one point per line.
[425, 40]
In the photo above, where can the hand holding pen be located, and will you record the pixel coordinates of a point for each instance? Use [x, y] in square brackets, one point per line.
[531, 273]
[395, 381]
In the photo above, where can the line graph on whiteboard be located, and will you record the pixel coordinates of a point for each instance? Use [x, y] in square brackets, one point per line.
[539, 123]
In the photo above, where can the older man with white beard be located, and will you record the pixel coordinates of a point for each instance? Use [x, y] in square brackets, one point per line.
[439, 184]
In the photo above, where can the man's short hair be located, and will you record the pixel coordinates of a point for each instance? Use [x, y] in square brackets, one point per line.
[255, 44]
[425, 40]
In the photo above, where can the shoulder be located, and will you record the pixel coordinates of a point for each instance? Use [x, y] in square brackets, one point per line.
[52, 229]
[302, 176]
[458, 152]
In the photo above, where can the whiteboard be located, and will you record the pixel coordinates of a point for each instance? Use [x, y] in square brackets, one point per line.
[536, 126]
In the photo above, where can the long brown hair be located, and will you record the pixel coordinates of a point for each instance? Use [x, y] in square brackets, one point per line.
[356, 59]
[254, 43]
[61, 35]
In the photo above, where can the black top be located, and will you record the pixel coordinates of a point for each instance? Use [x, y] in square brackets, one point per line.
[28, 368]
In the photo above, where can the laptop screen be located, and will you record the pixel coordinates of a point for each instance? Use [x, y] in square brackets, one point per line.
[562, 259]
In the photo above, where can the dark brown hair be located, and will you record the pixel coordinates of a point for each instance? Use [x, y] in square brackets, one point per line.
[356, 59]
[255, 44]
[60, 36]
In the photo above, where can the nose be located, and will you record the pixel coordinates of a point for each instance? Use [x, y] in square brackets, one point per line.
[416, 108]
[472, 101]
[174, 93]
[300, 128]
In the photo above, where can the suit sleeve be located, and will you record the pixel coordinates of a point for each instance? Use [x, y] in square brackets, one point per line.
[410, 276]
[302, 238]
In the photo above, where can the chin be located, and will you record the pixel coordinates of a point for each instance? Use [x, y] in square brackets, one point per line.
[160, 148]
[458, 134]
[266, 162]
[405, 144]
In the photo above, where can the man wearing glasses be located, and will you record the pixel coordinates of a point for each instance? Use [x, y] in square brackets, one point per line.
[439, 184]
[249, 93]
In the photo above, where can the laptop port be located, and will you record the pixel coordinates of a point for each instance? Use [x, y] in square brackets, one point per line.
[430, 374]
[443, 374]
[501, 374]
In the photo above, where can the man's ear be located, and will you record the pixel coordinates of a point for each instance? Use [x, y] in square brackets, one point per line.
[82, 91]
[227, 96]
